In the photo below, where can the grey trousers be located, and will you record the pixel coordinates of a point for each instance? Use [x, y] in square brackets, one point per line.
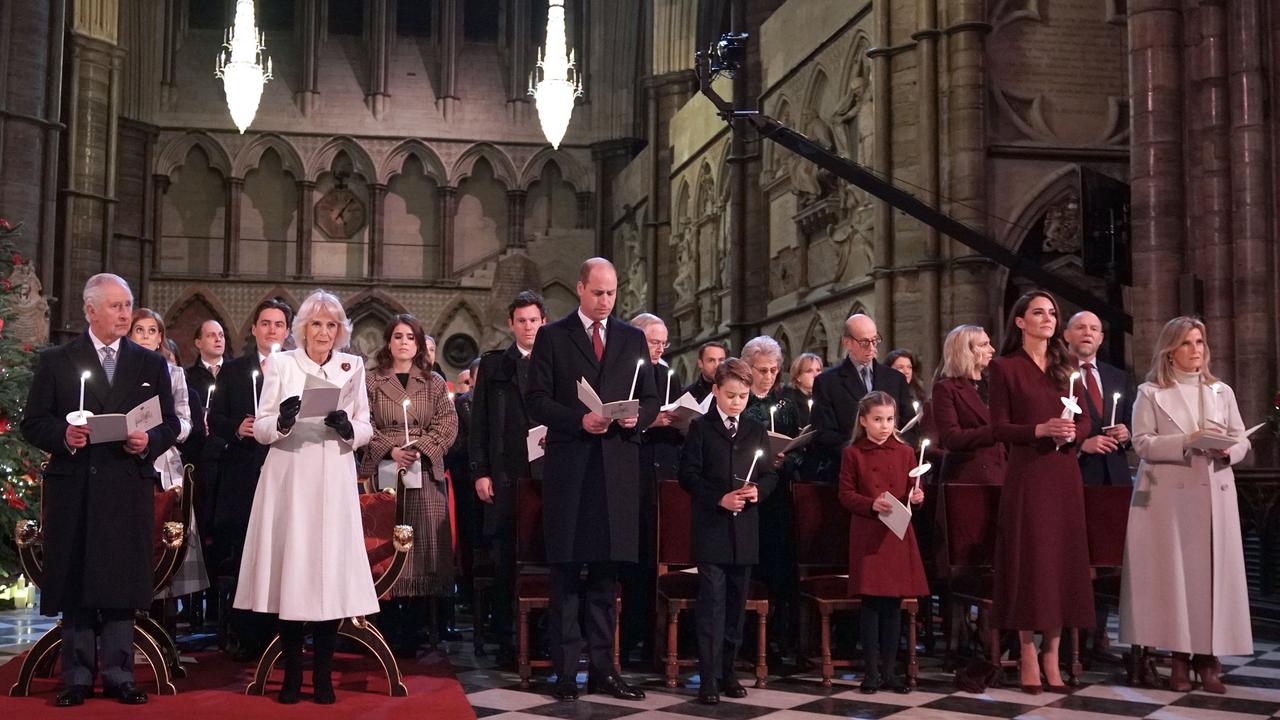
[81, 654]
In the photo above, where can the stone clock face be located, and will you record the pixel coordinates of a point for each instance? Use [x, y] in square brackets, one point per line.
[340, 213]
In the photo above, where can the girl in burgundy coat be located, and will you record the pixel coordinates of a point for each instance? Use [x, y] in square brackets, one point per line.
[882, 568]
[1041, 559]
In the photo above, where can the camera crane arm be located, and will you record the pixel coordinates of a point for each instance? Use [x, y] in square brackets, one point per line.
[725, 57]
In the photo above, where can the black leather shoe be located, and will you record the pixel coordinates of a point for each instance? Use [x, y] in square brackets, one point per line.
[323, 690]
[126, 693]
[733, 688]
[614, 685]
[870, 685]
[73, 696]
[288, 696]
[707, 694]
[564, 692]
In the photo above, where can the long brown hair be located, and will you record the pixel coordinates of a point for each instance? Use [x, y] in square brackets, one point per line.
[150, 314]
[873, 399]
[383, 356]
[1057, 358]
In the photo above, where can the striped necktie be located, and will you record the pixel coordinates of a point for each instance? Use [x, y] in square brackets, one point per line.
[109, 363]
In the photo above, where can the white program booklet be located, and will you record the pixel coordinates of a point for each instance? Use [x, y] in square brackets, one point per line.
[685, 409]
[779, 443]
[1211, 439]
[319, 398]
[536, 443]
[114, 427]
[898, 519]
[616, 410]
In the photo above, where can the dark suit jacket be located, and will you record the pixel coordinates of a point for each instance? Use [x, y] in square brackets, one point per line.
[836, 393]
[700, 388]
[499, 431]
[591, 481]
[708, 465]
[1112, 468]
[962, 425]
[242, 459]
[99, 517]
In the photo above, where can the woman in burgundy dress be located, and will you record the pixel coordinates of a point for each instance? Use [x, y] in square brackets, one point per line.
[958, 411]
[1041, 561]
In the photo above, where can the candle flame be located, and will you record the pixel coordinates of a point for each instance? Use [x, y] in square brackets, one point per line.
[916, 405]
[1075, 376]
[254, 374]
[405, 402]
[759, 452]
[85, 375]
[275, 347]
[212, 388]
[924, 443]
[1115, 396]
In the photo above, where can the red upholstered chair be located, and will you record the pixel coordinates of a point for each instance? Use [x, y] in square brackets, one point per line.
[1106, 517]
[678, 591]
[533, 584]
[172, 514]
[822, 553]
[387, 540]
[970, 517]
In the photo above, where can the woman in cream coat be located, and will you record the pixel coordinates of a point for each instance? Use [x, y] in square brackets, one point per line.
[304, 556]
[1183, 587]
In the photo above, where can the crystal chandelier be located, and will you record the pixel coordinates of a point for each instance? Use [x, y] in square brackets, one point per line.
[553, 94]
[243, 66]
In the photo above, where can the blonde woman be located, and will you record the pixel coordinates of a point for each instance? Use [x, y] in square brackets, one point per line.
[1183, 587]
[304, 556]
[958, 413]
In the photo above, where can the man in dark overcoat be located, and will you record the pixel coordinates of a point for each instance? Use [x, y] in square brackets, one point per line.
[838, 390]
[591, 489]
[231, 419]
[498, 451]
[98, 509]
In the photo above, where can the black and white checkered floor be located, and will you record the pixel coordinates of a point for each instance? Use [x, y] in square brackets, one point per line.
[1253, 692]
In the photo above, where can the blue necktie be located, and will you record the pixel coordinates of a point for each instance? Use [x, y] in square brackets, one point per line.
[866, 378]
[109, 363]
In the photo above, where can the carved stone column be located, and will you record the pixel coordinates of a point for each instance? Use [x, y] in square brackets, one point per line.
[882, 161]
[311, 31]
[1253, 249]
[930, 163]
[382, 28]
[306, 225]
[666, 94]
[1156, 171]
[448, 199]
[231, 227]
[159, 187]
[450, 46]
[610, 158]
[377, 223]
[519, 52]
[515, 219]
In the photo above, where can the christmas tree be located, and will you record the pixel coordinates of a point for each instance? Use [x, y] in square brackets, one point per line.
[19, 461]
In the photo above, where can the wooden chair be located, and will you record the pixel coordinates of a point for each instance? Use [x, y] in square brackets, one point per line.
[387, 540]
[678, 591]
[172, 516]
[822, 553]
[533, 584]
[970, 516]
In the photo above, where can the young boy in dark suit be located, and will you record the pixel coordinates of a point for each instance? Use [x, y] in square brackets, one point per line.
[724, 469]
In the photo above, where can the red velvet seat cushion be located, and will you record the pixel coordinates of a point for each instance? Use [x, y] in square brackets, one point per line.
[675, 518]
[378, 516]
[1106, 516]
[822, 525]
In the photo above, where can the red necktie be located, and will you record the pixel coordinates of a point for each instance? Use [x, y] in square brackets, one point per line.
[597, 341]
[1095, 392]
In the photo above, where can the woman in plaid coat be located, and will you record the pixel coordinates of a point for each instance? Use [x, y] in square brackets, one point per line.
[404, 371]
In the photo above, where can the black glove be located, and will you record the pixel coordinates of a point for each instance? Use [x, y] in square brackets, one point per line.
[289, 409]
[339, 422]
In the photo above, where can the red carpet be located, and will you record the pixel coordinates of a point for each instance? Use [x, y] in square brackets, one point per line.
[214, 689]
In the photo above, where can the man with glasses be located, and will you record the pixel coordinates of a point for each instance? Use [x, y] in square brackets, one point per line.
[837, 391]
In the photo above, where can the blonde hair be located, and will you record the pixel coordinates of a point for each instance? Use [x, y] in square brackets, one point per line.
[958, 358]
[1171, 336]
[797, 365]
[317, 302]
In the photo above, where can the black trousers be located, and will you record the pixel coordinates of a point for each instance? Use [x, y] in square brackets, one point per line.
[502, 545]
[721, 610]
[81, 654]
[881, 627]
[578, 602]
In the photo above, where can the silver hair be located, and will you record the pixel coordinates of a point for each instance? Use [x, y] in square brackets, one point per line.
[644, 320]
[317, 302]
[95, 286]
[761, 345]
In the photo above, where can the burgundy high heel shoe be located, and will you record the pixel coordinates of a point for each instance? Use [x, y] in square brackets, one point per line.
[1056, 689]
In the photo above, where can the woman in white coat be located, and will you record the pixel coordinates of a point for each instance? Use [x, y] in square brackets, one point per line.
[304, 556]
[1183, 587]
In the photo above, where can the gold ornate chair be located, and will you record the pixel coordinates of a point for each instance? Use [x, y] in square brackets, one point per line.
[172, 516]
[388, 541]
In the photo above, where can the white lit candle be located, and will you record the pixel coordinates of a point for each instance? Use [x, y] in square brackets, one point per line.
[670, 374]
[915, 406]
[752, 469]
[1072, 390]
[208, 398]
[810, 406]
[636, 376]
[404, 406]
[923, 444]
[254, 376]
[772, 411]
[84, 377]
[1115, 402]
[275, 348]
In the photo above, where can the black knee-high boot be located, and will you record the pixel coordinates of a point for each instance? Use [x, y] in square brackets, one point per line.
[325, 634]
[890, 638]
[869, 630]
[291, 638]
